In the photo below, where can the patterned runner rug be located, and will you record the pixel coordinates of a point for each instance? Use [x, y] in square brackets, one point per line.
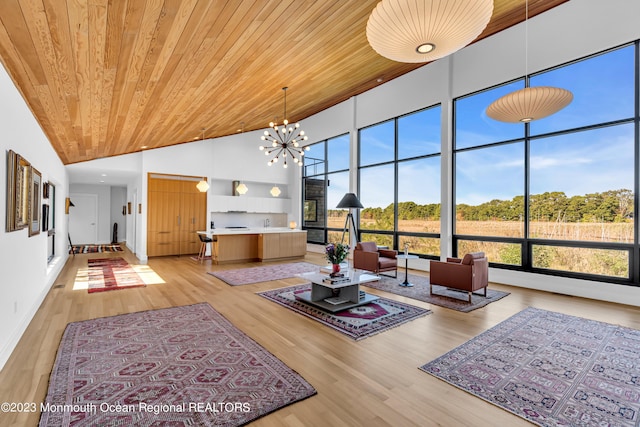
[108, 274]
[171, 367]
[90, 249]
[245, 276]
[551, 369]
[357, 323]
[442, 296]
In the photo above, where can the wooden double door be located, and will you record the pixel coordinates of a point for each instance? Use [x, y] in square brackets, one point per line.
[177, 211]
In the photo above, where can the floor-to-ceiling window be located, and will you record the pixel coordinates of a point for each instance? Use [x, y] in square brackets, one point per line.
[557, 195]
[399, 182]
[325, 181]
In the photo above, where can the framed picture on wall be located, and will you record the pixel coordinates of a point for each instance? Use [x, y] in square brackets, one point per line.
[34, 201]
[18, 186]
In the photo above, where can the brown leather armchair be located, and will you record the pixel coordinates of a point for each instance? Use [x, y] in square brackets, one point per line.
[367, 256]
[467, 274]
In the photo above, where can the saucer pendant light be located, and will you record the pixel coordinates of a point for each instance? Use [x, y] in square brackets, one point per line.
[530, 103]
[415, 31]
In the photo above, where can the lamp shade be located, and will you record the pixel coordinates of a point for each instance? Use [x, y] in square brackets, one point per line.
[202, 186]
[530, 103]
[425, 30]
[242, 189]
[350, 200]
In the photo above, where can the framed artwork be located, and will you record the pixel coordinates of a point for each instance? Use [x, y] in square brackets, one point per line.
[310, 210]
[45, 190]
[18, 187]
[35, 187]
[129, 208]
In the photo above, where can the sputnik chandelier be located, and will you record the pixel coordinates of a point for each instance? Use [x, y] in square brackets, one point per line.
[285, 141]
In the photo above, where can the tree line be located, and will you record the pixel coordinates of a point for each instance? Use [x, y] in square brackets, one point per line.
[608, 206]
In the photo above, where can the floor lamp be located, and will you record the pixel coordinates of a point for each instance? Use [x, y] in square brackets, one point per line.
[349, 201]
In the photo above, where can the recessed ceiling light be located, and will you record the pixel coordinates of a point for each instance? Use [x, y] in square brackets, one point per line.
[143, 147]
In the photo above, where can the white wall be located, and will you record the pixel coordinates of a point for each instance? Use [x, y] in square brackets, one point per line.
[26, 276]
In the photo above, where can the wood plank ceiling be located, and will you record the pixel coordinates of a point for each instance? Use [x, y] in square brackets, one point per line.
[109, 77]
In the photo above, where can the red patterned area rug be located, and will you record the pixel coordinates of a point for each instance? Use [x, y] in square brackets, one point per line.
[108, 274]
[551, 369]
[245, 276]
[90, 249]
[442, 296]
[357, 323]
[180, 366]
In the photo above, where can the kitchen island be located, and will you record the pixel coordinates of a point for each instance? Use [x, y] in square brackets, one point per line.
[256, 244]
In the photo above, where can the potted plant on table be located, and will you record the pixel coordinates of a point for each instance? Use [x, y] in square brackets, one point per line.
[336, 254]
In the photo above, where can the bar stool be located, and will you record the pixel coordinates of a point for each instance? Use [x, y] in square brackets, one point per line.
[203, 247]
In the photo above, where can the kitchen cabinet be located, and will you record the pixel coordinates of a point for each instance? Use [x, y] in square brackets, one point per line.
[176, 211]
[282, 245]
[257, 200]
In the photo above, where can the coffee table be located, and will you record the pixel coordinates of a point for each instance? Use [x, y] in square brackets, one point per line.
[348, 293]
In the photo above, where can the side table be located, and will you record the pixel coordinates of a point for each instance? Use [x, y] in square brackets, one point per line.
[406, 259]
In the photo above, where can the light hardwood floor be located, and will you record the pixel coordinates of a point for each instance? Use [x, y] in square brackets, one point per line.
[373, 382]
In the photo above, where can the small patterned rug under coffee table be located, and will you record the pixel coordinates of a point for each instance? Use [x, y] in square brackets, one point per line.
[358, 322]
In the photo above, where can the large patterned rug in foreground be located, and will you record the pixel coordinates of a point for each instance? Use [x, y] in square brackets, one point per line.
[245, 276]
[357, 323]
[108, 274]
[551, 369]
[180, 366]
[442, 296]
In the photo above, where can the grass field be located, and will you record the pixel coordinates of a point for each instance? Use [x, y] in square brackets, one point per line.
[582, 260]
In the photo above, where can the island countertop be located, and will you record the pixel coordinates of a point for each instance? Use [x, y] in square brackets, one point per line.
[256, 244]
[249, 230]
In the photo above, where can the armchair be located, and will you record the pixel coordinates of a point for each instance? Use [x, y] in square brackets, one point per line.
[467, 274]
[367, 256]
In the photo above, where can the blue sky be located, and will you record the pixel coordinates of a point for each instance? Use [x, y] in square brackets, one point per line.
[577, 163]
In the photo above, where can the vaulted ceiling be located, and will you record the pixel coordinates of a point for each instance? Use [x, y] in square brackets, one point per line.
[109, 77]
